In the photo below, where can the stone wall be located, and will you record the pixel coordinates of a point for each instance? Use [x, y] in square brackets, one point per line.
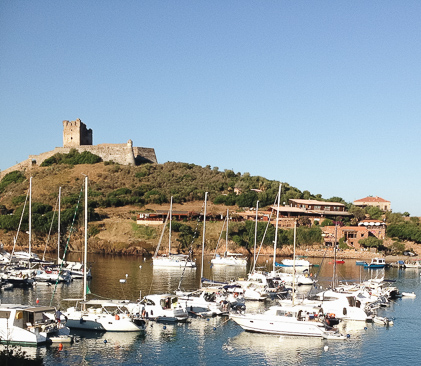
[124, 154]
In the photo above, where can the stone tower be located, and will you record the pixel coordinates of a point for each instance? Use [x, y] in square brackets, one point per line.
[75, 134]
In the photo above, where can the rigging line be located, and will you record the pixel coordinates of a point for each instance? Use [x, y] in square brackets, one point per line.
[191, 248]
[67, 245]
[220, 236]
[15, 239]
[49, 233]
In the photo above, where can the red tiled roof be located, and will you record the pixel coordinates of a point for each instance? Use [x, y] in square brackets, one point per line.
[372, 199]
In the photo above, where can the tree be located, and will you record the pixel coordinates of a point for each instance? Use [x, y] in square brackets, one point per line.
[372, 242]
[326, 222]
[358, 213]
[374, 212]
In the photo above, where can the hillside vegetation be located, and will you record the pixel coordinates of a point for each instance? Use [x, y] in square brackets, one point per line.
[118, 193]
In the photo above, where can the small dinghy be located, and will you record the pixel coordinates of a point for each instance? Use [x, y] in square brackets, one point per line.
[61, 339]
[408, 294]
[382, 320]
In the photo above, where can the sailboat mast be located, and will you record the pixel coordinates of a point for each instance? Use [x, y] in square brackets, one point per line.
[58, 226]
[255, 236]
[276, 230]
[226, 235]
[30, 221]
[293, 265]
[334, 259]
[85, 259]
[169, 234]
[203, 239]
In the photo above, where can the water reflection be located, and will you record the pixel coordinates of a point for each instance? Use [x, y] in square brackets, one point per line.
[275, 350]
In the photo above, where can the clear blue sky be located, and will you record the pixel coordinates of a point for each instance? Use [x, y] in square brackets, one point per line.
[323, 95]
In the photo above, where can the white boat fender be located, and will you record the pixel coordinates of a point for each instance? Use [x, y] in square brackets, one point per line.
[326, 348]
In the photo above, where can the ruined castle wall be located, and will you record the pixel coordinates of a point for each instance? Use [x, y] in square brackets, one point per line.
[119, 153]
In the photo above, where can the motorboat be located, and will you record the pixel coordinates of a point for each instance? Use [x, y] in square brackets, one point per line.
[204, 301]
[413, 264]
[104, 315]
[289, 320]
[161, 307]
[28, 325]
[76, 269]
[52, 275]
[294, 262]
[376, 263]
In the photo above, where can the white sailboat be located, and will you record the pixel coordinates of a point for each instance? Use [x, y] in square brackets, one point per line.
[229, 259]
[171, 260]
[100, 315]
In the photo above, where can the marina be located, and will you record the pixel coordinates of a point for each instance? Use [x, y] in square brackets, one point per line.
[212, 339]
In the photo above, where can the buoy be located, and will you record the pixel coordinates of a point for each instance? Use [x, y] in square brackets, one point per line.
[37, 301]
[60, 346]
[348, 336]
[105, 341]
[165, 327]
[207, 319]
[214, 328]
[365, 328]
[326, 348]
[140, 267]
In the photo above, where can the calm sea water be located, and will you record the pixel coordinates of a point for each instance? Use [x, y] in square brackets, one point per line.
[217, 341]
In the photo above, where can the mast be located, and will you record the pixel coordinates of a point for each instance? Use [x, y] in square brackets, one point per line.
[255, 236]
[85, 260]
[169, 234]
[58, 226]
[203, 239]
[276, 230]
[226, 236]
[334, 259]
[293, 265]
[30, 221]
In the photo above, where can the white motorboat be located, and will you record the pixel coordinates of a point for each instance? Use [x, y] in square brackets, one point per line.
[413, 264]
[26, 325]
[161, 307]
[345, 305]
[104, 315]
[296, 320]
[204, 301]
[298, 263]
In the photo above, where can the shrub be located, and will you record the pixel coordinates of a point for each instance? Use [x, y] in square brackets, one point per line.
[12, 177]
[72, 158]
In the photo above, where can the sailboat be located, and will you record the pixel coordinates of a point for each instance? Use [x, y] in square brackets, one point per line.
[204, 300]
[229, 259]
[104, 314]
[171, 260]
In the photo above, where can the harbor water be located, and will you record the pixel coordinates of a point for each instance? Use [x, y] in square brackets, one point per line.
[217, 340]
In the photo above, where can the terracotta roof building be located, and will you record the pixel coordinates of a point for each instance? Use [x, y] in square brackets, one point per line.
[376, 201]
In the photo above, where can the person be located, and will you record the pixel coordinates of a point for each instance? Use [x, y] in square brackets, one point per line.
[58, 315]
